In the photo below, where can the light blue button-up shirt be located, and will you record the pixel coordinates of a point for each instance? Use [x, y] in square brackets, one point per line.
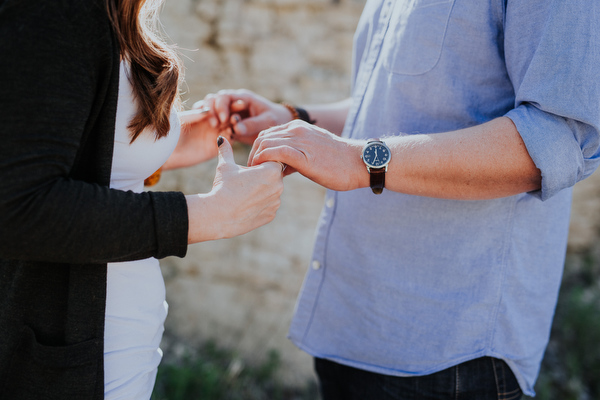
[407, 285]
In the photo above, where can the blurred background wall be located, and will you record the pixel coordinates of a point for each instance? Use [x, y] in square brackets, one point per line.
[241, 292]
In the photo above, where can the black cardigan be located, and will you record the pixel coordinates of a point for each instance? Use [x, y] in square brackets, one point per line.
[59, 222]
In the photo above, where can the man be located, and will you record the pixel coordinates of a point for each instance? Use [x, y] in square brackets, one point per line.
[477, 117]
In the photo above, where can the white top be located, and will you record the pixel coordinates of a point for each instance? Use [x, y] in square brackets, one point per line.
[135, 303]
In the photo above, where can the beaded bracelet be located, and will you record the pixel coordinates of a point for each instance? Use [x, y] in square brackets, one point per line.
[298, 113]
[292, 110]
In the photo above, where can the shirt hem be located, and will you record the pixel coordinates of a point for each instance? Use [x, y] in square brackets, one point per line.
[527, 390]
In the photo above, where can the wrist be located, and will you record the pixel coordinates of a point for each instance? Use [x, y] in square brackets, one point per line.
[201, 215]
[298, 113]
[360, 175]
[376, 156]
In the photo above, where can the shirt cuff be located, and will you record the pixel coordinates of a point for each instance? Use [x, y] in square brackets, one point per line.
[170, 223]
[555, 144]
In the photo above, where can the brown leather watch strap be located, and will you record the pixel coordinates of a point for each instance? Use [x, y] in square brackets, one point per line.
[377, 179]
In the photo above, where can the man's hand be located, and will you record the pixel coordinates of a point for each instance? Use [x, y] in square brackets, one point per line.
[242, 199]
[245, 112]
[316, 153]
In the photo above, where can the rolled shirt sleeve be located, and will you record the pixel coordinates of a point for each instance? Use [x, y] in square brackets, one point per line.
[552, 51]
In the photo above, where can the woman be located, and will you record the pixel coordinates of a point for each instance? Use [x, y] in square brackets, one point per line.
[86, 113]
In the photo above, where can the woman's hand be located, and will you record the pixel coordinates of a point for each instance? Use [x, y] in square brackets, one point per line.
[245, 111]
[242, 199]
[198, 140]
[316, 153]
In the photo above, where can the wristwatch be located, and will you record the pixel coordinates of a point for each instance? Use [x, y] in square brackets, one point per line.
[376, 156]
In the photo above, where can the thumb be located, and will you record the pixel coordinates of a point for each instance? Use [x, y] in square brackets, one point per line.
[225, 152]
[254, 125]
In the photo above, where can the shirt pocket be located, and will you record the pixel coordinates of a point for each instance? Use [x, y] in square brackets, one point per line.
[415, 37]
[38, 371]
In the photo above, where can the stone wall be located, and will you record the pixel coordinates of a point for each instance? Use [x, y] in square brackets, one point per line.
[585, 215]
[297, 50]
[241, 292]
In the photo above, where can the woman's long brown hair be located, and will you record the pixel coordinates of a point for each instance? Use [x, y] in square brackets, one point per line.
[155, 67]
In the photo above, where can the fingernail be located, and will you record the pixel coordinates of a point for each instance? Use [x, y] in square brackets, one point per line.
[220, 141]
[213, 122]
[236, 118]
[241, 128]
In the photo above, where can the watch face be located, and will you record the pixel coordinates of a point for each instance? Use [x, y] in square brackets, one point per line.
[376, 155]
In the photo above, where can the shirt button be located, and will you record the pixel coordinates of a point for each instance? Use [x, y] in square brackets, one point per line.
[316, 265]
[330, 202]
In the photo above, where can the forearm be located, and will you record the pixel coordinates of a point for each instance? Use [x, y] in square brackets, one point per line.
[175, 160]
[331, 116]
[481, 162]
[178, 158]
[77, 222]
[56, 142]
[197, 144]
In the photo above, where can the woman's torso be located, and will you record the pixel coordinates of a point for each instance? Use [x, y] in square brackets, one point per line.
[135, 304]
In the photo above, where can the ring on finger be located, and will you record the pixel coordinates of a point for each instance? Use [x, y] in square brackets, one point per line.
[283, 166]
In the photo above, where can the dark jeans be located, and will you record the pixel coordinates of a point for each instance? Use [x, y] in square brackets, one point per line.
[481, 379]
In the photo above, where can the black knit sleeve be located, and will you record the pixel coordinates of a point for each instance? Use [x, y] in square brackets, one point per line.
[57, 64]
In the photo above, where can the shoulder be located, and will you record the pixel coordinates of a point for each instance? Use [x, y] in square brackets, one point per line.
[55, 11]
[59, 31]
[57, 19]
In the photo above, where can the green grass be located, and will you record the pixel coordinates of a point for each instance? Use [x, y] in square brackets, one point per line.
[217, 374]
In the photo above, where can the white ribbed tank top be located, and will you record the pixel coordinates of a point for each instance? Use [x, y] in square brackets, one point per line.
[135, 305]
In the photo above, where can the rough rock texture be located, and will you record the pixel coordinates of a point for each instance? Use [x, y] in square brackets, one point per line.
[241, 292]
[585, 215]
[294, 50]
